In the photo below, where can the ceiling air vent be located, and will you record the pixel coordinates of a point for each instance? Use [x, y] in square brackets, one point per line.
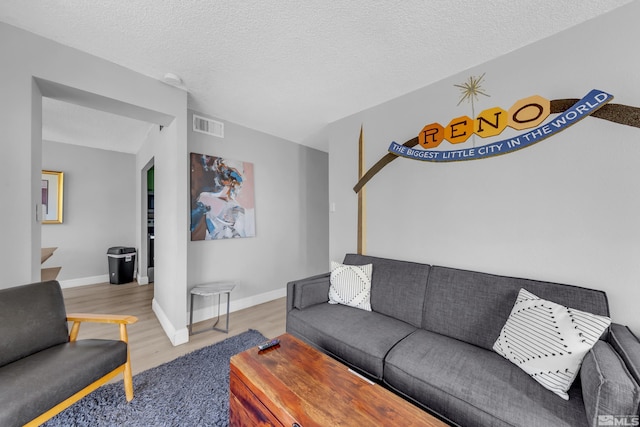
[208, 126]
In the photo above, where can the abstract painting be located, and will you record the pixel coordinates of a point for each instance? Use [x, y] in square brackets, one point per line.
[222, 198]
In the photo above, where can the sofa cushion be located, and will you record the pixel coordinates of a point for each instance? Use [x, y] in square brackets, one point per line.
[475, 387]
[358, 338]
[397, 287]
[548, 340]
[473, 307]
[607, 386]
[35, 384]
[351, 285]
[32, 318]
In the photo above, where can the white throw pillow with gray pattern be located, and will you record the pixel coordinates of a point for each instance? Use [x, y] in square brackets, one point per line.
[548, 341]
[351, 285]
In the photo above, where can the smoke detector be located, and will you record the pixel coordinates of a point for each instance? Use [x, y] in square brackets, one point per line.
[172, 79]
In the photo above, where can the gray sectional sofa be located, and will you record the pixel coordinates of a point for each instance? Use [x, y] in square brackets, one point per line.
[430, 338]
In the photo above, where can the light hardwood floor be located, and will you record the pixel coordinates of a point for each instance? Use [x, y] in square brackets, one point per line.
[149, 344]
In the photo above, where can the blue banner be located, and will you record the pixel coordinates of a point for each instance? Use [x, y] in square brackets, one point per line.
[578, 111]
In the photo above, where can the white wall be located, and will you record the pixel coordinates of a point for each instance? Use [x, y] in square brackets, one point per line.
[291, 205]
[564, 210]
[171, 230]
[20, 165]
[99, 202]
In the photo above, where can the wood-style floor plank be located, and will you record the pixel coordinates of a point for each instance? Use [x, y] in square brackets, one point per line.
[148, 343]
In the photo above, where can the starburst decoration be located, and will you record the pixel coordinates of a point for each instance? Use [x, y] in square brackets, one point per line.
[471, 89]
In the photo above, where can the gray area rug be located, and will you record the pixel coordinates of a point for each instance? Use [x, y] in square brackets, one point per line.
[192, 390]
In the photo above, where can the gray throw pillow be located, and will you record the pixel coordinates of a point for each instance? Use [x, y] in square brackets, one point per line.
[608, 390]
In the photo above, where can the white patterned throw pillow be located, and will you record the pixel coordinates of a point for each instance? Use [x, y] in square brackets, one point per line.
[548, 341]
[351, 285]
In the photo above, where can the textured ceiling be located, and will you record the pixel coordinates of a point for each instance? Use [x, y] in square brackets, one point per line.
[289, 67]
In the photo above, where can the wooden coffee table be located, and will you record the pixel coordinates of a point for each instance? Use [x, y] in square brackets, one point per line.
[294, 384]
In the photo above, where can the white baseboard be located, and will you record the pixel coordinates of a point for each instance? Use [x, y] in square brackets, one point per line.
[181, 336]
[83, 281]
[176, 336]
[256, 299]
[210, 310]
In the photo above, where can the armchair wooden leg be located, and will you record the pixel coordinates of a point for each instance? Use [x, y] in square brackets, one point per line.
[127, 375]
[128, 381]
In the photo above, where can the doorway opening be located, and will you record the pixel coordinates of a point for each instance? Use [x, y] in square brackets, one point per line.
[146, 262]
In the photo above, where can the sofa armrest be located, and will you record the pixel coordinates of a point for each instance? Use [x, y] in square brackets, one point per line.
[120, 319]
[607, 385]
[627, 346]
[308, 291]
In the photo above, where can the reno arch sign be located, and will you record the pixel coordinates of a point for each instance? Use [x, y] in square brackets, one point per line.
[524, 114]
[533, 119]
[528, 113]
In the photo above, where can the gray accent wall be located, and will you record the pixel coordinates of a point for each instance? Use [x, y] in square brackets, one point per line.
[99, 208]
[565, 209]
[291, 193]
[291, 209]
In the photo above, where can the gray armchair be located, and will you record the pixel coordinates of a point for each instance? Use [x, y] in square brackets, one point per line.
[44, 368]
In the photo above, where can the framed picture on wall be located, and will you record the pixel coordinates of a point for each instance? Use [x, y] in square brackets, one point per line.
[52, 197]
[222, 198]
